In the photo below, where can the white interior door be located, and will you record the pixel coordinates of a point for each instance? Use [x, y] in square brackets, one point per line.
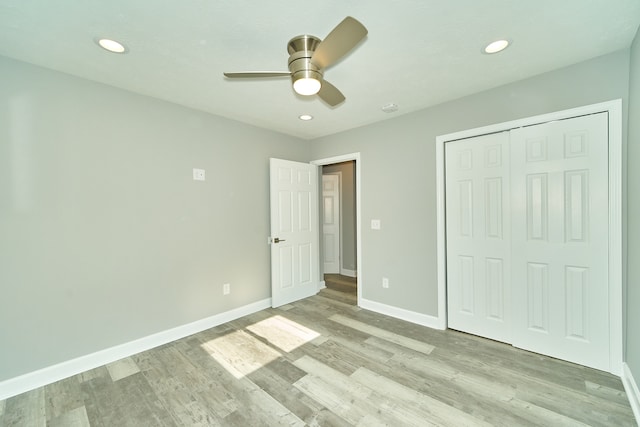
[331, 223]
[478, 235]
[294, 231]
[560, 239]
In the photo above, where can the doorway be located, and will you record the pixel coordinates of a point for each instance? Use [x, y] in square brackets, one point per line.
[338, 222]
[341, 266]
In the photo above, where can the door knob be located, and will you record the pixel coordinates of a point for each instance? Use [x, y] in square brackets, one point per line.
[277, 240]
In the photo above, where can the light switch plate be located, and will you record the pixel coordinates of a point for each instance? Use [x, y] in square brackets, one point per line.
[375, 224]
[198, 174]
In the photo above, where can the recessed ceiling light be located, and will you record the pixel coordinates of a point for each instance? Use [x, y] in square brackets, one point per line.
[305, 117]
[111, 45]
[496, 46]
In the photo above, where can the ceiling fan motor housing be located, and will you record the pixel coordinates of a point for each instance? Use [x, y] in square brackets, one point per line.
[301, 50]
[303, 43]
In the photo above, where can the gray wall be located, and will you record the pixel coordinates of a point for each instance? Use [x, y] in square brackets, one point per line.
[633, 215]
[398, 170]
[104, 236]
[348, 210]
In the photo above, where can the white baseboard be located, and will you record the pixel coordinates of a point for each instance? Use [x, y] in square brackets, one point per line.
[322, 284]
[400, 313]
[348, 273]
[633, 392]
[48, 375]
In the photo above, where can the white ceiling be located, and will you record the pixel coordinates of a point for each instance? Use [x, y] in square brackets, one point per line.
[418, 53]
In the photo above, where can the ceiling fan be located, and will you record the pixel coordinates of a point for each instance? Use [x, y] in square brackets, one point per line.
[309, 56]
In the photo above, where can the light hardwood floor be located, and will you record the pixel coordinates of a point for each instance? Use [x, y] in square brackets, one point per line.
[341, 288]
[324, 362]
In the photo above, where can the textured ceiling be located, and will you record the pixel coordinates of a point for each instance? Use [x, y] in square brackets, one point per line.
[418, 52]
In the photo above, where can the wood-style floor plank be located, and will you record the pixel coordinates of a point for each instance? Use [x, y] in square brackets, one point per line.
[27, 409]
[62, 397]
[323, 361]
[73, 418]
[122, 368]
[383, 334]
[411, 401]
[345, 398]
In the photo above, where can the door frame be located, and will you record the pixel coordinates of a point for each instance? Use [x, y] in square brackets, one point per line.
[614, 110]
[339, 159]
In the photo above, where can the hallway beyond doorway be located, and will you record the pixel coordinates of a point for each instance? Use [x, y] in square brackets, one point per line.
[341, 288]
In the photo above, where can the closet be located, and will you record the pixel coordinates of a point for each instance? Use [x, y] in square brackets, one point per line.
[527, 235]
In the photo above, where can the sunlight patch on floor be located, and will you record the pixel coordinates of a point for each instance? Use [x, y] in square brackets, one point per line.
[283, 333]
[241, 353]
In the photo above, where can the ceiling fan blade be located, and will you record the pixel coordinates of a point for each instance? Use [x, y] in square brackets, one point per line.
[254, 74]
[330, 94]
[344, 37]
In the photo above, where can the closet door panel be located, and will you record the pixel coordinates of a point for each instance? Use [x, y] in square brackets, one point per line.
[559, 216]
[477, 213]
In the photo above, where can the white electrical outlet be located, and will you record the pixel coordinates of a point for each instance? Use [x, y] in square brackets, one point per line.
[375, 224]
[198, 174]
[385, 282]
[226, 289]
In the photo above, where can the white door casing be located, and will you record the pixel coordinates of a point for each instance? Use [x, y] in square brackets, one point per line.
[294, 231]
[560, 238]
[331, 223]
[358, 167]
[478, 235]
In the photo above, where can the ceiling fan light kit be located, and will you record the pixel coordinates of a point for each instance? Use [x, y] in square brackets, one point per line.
[309, 56]
[306, 85]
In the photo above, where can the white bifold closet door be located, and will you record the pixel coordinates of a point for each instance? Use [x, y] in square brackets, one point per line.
[546, 207]
[560, 239]
[478, 236]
